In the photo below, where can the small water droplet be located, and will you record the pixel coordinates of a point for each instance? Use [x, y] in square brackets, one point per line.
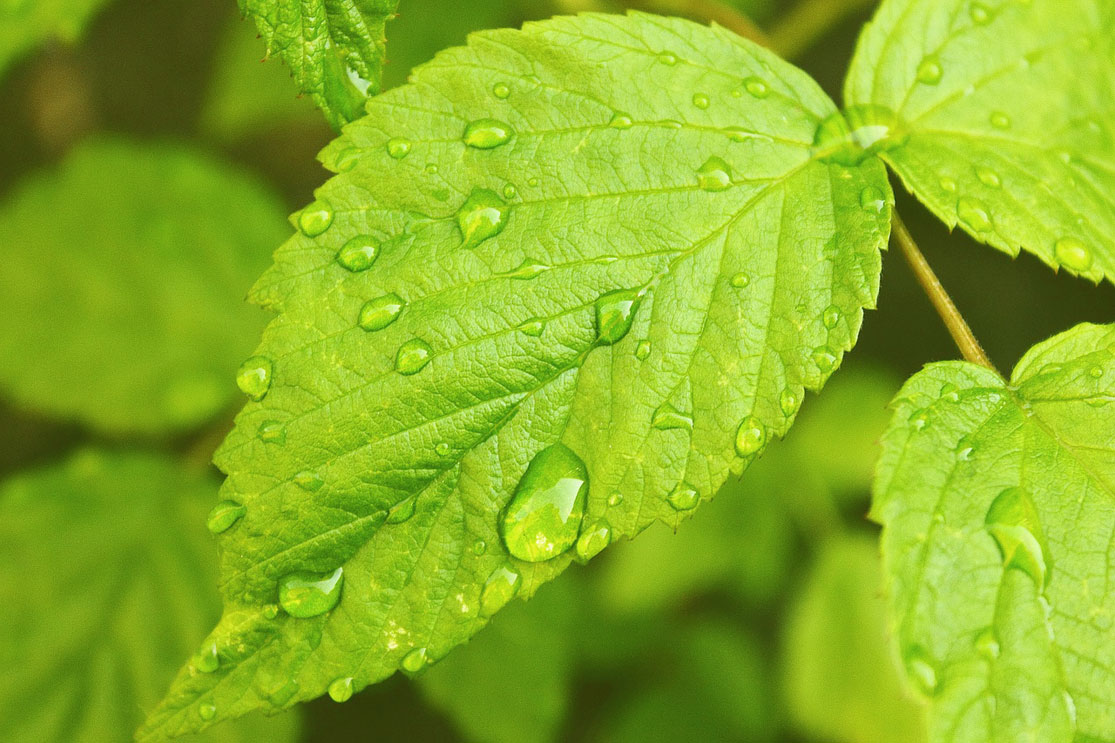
[415, 661]
[270, 611]
[701, 101]
[1000, 120]
[750, 436]
[254, 377]
[309, 481]
[667, 417]
[831, 317]
[347, 159]
[412, 356]
[1073, 254]
[501, 91]
[615, 499]
[1012, 520]
[921, 670]
[432, 169]
[442, 449]
[272, 432]
[788, 401]
[378, 313]
[973, 214]
[533, 181]
[398, 148]
[483, 215]
[359, 253]
[402, 511]
[533, 328]
[207, 711]
[979, 13]
[987, 644]
[930, 71]
[684, 497]
[872, 199]
[989, 177]
[487, 134]
[949, 392]
[479, 547]
[501, 587]
[544, 516]
[919, 419]
[668, 58]
[615, 312]
[756, 87]
[948, 185]
[739, 280]
[224, 515]
[528, 269]
[207, 660]
[621, 121]
[714, 175]
[303, 594]
[1096, 372]
[593, 539]
[510, 192]
[315, 218]
[642, 350]
[340, 690]
[824, 358]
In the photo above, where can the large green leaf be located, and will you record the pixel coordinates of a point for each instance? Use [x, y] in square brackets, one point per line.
[998, 502]
[1000, 116]
[609, 233]
[24, 24]
[108, 579]
[121, 281]
[334, 48]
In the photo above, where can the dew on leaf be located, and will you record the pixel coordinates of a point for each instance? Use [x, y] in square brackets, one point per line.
[701, 101]
[921, 670]
[872, 199]
[398, 148]
[947, 184]
[615, 499]
[500, 588]
[442, 449]
[668, 417]
[824, 358]
[615, 312]
[378, 313]
[642, 350]
[989, 177]
[788, 402]
[593, 539]
[272, 432]
[340, 690]
[415, 661]
[412, 356]
[544, 516]
[528, 269]
[224, 515]
[750, 436]
[359, 253]
[756, 87]
[207, 660]
[509, 191]
[930, 71]
[987, 644]
[739, 280]
[831, 316]
[973, 214]
[534, 327]
[254, 377]
[1000, 120]
[479, 547]
[487, 134]
[1012, 520]
[621, 121]
[347, 159]
[309, 481]
[979, 13]
[315, 218]
[304, 594]
[501, 91]
[402, 511]
[207, 711]
[483, 215]
[684, 497]
[1073, 254]
[270, 611]
[668, 58]
[1096, 372]
[714, 175]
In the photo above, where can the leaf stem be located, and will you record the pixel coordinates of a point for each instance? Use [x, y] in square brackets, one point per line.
[958, 328]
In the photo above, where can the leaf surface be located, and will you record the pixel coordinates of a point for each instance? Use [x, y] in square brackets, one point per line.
[638, 258]
[998, 505]
[1000, 117]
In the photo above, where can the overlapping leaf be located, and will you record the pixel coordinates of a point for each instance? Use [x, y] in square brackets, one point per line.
[609, 232]
[1000, 116]
[998, 505]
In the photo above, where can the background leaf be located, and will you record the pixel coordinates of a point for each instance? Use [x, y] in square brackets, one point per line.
[24, 24]
[1000, 119]
[997, 505]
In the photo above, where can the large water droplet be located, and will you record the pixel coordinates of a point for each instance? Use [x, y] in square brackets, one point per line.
[701, 101]
[501, 587]
[544, 516]
[973, 213]
[340, 690]
[788, 402]
[714, 175]
[1013, 521]
[359, 253]
[207, 711]
[534, 327]
[305, 595]
[684, 497]
[398, 148]
[1073, 254]
[750, 436]
[378, 313]
[593, 539]
[615, 499]
[487, 134]
[831, 317]
[272, 432]
[415, 661]
[667, 417]
[254, 377]
[483, 215]
[315, 218]
[501, 91]
[930, 71]
[615, 312]
[739, 280]
[207, 660]
[402, 511]
[921, 670]
[756, 87]
[872, 199]
[824, 358]
[224, 515]
[621, 120]
[412, 356]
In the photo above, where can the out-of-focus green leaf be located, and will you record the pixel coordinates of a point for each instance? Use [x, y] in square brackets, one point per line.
[840, 679]
[998, 504]
[24, 24]
[999, 115]
[108, 578]
[122, 283]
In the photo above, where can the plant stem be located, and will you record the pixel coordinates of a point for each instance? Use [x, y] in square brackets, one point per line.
[810, 20]
[962, 334]
[709, 11]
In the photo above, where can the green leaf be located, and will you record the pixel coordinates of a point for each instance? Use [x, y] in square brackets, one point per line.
[840, 680]
[998, 116]
[25, 24]
[109, 579]
[334, 48]
[119, 298]
[998, 502]
[630, 253]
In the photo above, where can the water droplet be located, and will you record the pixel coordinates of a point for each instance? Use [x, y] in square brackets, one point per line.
[305, 595]
[642, 350]
[398, 148]
[788, 402]
[824, 358]
[224, 515]
[1013, 521]
[432, 169]
[414, 661]
[615, 312]
[684, 497]
[207, 711]
[315, 218]
[442, 449]
[973, 213]
[621, 121]
[378, 313]
[1096, 372]
[402, 511]
[750, 436]
[347, 159]
[1073, 254]
[667, 417]
[756, 87]
[980, 14]
[668, 58]
[929, 71]
[359, 253]
[544, 516]
[714, 175]
[948, 185]
[831, 317]
[501, 91]
[849, 138]
[594, 538]
[919, 419]
[479, 547]
[272, 432]
[921, 670]
[501, 587]
[701, 101]
[340, 690]
[533, 181]
[510, 192]
[482, 216]
[207, 660]
[989, 177]
[270, 611]
[487, 134]
[987, 644]
[739, 280]
[949, 392]
[1000, 120]
[309, 481]
[528, 269]
[412, 356]
[872, 199]
[533, 328]
[254, 377]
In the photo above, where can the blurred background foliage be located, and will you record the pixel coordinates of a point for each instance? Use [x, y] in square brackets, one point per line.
[147, 164]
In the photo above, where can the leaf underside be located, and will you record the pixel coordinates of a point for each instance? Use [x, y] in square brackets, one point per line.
[1003, 119]
[751, 278]
[998, 504]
